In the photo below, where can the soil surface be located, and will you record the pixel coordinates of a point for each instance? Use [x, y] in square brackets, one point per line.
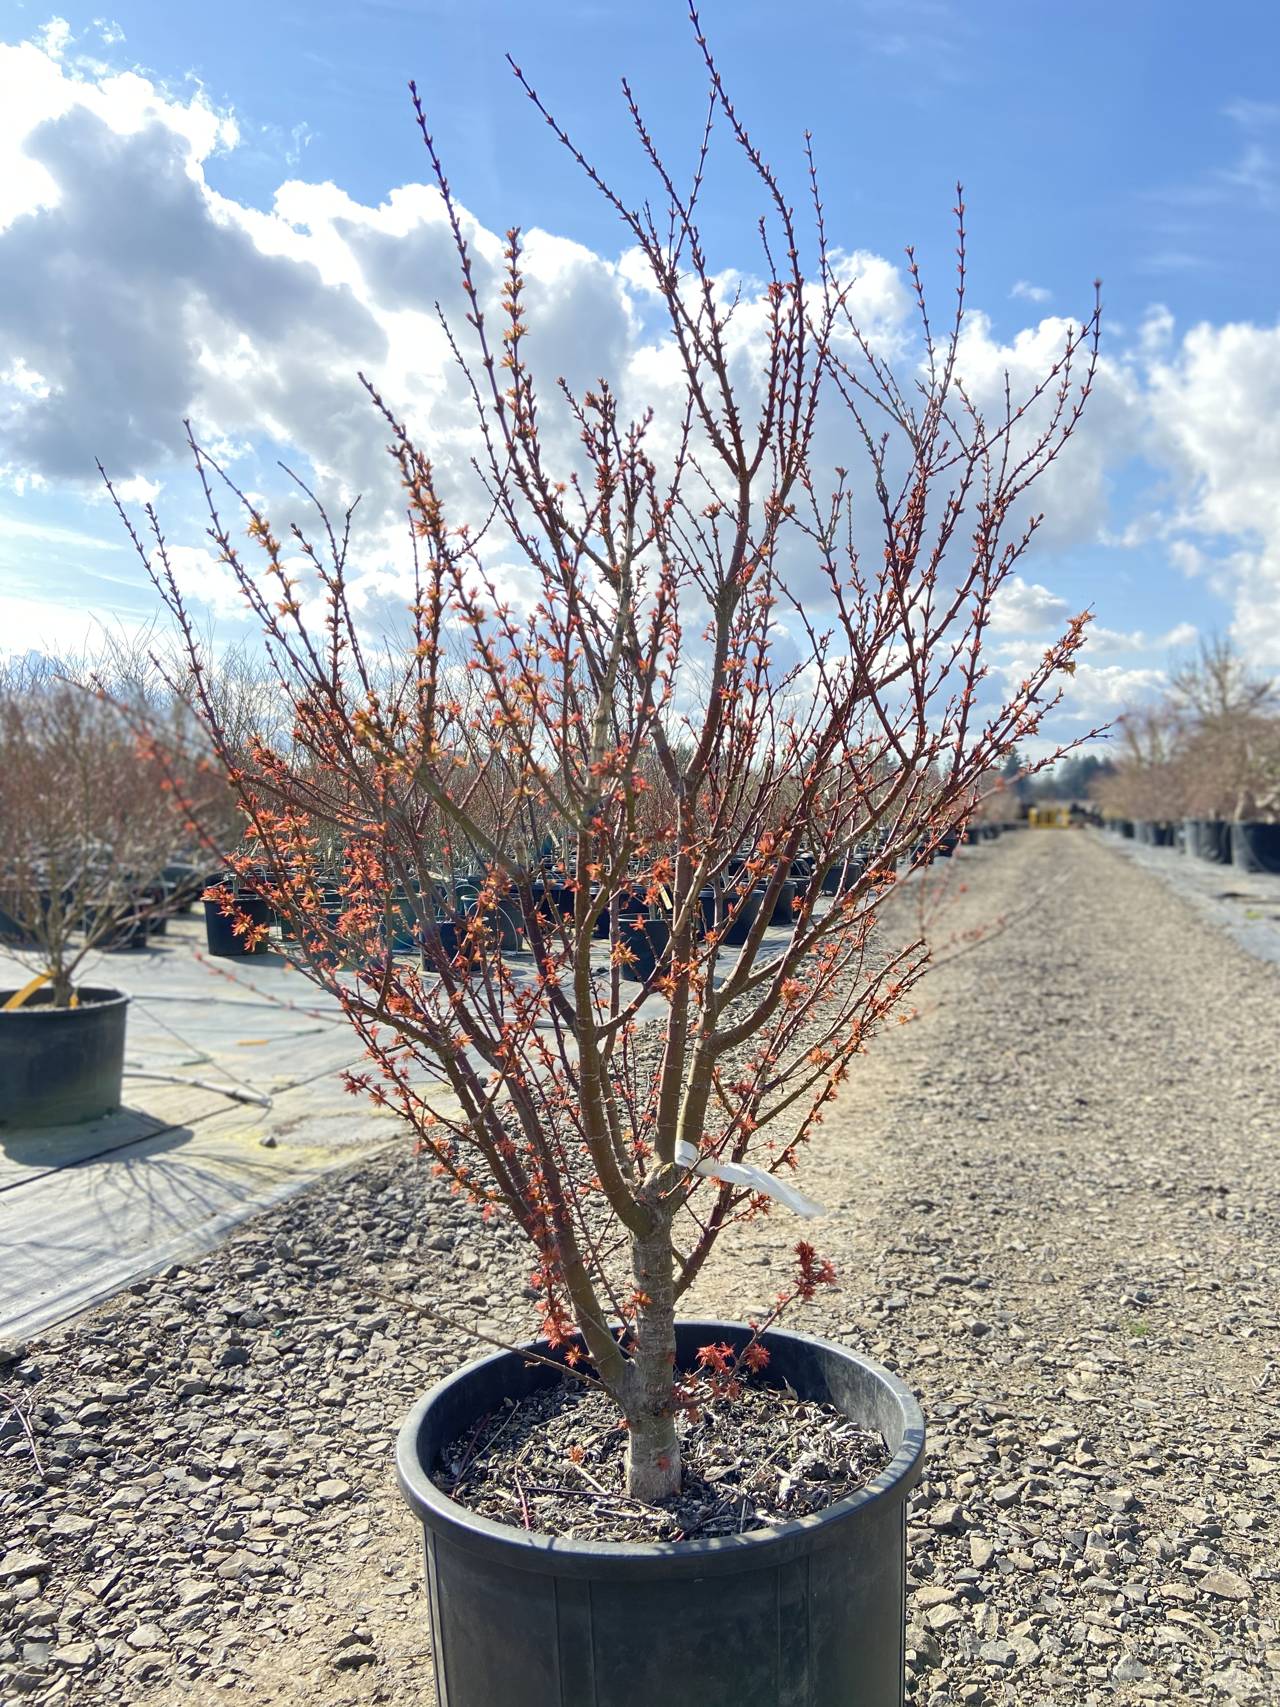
[1055, 1209]
[554, 1463]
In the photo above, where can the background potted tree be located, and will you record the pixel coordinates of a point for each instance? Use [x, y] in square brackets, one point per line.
[625, 1124]
[86, 830]
[1207, 754]
[1228, 718]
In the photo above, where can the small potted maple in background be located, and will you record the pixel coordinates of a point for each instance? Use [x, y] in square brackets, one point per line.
[640, 715]
[86, 832]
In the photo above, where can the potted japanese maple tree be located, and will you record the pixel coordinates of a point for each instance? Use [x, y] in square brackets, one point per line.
[85, 832]
[640, 706]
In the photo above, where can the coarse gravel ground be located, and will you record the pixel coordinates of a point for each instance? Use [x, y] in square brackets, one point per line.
[1055, 1208]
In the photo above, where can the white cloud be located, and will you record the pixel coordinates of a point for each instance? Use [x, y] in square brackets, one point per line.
[54, 38]
[1095, 694]
[1027, 292]
[1022, 607]
[1216, 407]
[1187, 557]
[1099, 692]
[1073, 493]
[59, 629]
[1110, 640]
[49, 533]
[1155, 333]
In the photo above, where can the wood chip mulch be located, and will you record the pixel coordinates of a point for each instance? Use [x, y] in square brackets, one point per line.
[554, 1463]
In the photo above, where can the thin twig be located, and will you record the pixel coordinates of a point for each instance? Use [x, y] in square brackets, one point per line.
[524, 1505]
[488, 1339]
[21, 1415]
[590, 1494]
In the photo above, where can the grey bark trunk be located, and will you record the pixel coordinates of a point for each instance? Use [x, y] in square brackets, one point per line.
[653, 1447]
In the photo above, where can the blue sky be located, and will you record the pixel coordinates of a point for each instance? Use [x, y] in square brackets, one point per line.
[1138, 142]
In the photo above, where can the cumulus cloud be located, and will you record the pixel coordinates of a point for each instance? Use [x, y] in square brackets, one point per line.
[1095, 694]
[1022, 607]
[1073, 493]
[136, 295]
[1216, 402]
[1111, 640]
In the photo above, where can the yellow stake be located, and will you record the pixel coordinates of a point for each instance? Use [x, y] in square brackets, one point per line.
[20, 996]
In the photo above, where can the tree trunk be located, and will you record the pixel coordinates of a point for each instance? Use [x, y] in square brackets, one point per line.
[653, 1448]
[653, 1455]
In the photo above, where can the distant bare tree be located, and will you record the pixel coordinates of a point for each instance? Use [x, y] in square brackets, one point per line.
[1229, 734]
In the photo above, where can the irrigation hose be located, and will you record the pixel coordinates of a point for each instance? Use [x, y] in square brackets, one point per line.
[201, 1085]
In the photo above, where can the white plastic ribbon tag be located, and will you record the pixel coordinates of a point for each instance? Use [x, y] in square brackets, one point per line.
[741, 1173]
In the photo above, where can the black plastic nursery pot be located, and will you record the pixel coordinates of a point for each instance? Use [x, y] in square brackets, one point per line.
[506, 918]
[184, 882]
[804, 1614]
[1210, 839]
[60, 1065]
[648, 940]
[846, 872]
[801, 875]
[784, 909]
[117, 929]
[13, 933]
[157, 899]
[1255, 847]
[738, 930]
[446, 932]
[220, 931]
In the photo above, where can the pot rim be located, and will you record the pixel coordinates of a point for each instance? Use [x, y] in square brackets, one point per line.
[723, 1554]
[103, 997]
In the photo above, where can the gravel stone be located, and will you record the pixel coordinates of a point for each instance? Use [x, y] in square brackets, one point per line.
[76, 1655]
[1226, 1585]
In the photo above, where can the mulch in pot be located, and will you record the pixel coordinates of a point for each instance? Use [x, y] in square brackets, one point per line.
[554, 1463]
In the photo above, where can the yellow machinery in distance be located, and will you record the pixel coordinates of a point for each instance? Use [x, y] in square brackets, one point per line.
[1050, 817]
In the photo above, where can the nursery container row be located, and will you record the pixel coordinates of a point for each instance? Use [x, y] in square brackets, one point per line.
[1248, 845]
[432, 922]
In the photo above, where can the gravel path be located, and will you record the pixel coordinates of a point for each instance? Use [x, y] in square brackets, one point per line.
[1244, 904]
[1054, 1208]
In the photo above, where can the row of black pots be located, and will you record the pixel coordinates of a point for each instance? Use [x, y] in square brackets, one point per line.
[923, 853]
[129, 923]
[142, 912]
[1249, 845]
[731, 910]
[1154, 833]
